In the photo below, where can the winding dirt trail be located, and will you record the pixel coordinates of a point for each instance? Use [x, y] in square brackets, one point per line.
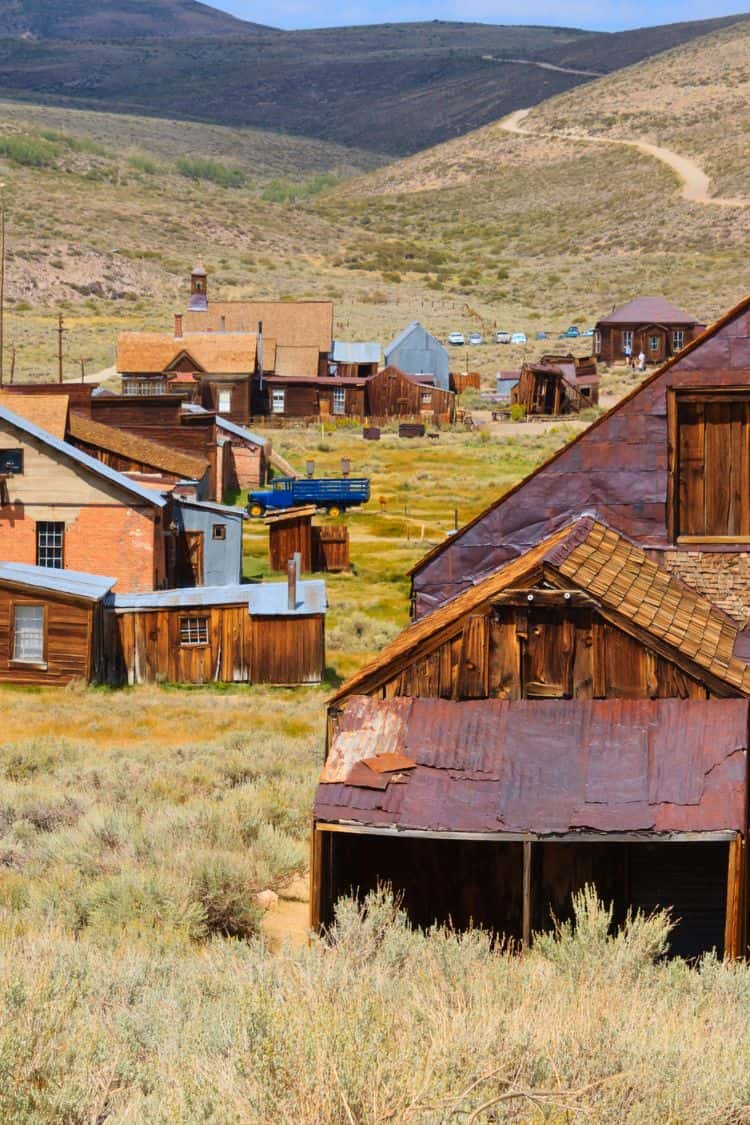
[545, 66]
[694, 181]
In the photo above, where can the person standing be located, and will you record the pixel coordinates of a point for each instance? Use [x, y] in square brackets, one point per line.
[642, 361]
[628, 354]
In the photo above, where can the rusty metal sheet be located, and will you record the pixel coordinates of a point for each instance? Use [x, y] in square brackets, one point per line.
[547, 766]
[389, 763]
[364, 778]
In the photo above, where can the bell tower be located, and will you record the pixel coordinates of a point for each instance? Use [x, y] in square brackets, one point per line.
[198, 289]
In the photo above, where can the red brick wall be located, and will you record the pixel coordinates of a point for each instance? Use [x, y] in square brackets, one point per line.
[247, 466]
[118, 541]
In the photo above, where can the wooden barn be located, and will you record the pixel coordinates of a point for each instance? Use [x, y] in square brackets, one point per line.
[571, 703]
[651, 325]
[262, 633]
[393, 393]
[415, 351]
[557, 385]
[51, 625]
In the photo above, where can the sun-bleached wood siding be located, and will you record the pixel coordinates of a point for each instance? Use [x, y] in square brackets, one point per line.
[72, 645]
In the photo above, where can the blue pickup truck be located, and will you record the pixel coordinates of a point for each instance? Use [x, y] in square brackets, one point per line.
[332, 494]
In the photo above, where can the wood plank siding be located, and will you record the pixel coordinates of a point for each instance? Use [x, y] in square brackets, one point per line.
[72, 640]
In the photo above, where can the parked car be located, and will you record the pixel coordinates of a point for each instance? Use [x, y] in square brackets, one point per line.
[588, 332]
[518, 338]
[333, 494]
[476, 338]
[571, 333]
[456, 338]
[542, 336]
[502, 337]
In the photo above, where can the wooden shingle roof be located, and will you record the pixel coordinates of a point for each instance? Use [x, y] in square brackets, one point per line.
[630, 588]
[48, 412]
[150, 453]
[155, 352]
[291, 362]
[293, 324]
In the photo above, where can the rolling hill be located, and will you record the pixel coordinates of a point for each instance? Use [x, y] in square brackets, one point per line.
[403, 87]
[115, 19]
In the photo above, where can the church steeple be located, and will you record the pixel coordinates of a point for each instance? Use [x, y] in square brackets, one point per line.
[198, 288]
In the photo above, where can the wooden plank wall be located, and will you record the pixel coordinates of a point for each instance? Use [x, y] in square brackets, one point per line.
[330, 549]
[518, 653]
[69, 641]
[288, 650]
[391, 395]
[241, 649]
[286, 538]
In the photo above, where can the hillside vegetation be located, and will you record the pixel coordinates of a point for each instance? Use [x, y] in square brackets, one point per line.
[396, 88]
[695, 100]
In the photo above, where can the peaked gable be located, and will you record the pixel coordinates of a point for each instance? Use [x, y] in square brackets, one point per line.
[617, 469]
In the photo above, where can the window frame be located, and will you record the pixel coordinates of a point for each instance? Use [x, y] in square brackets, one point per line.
[338, 401]
[50, 523]
[17, 661]
[627, 338]
[702, 395]
[185, 623]
[218, 531]
[425, 398]
[226, 393]
[13, 450]
[678, 332]
[278, 400]
[654, 342]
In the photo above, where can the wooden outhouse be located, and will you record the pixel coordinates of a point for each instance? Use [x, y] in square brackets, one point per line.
[51, 625]
[291, 532]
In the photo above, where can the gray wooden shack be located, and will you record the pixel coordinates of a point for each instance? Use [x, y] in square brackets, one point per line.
[209, 543]
[416, 352]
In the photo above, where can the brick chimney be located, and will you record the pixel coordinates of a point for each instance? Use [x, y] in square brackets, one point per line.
[178, 324]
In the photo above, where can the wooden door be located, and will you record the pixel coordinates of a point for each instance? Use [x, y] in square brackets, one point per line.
[190, 562]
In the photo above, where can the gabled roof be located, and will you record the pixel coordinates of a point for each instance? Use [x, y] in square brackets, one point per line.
[548, 768]
[406, 333]
[150, 353]
[148, 452]
[591, 433]
[80, 458]
[74, 583]
[295, 324]
[589, 556]
[49, 412]
[648, 310]
[240, 431]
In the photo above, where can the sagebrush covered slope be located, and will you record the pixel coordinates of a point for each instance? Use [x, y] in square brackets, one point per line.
[115, 19]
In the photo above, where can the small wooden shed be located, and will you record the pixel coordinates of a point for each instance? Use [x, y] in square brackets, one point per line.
[259, 633]
[51, 625]
[321, 549]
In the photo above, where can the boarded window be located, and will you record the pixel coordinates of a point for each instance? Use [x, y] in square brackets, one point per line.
[11, 462]
[193, 630]
[711, 480]
[28, 634]
[50, 537]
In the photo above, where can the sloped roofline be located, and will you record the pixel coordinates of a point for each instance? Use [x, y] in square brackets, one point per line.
[76, 455]
[707, 334]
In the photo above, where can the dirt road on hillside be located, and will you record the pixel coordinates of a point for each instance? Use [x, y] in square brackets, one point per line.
[695, 183]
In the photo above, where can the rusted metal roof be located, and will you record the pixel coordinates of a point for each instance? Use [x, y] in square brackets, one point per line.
[648, 310]
[544, 767]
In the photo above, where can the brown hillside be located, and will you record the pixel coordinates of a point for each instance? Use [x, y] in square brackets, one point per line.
[115, 19]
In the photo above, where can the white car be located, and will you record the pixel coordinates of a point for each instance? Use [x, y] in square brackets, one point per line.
[518, 338]
[456, 338]
[502, 337]
[476, 338]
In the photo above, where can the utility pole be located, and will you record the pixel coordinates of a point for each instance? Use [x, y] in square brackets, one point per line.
[60, 332]
[2, 275]
[12, 364]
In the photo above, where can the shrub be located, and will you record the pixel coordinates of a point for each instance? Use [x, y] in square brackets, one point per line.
[143, 163]
[31, 152]
[517, 412]
[220, 888]
[199, 168]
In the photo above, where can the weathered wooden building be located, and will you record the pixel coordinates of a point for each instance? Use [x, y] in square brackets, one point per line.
[571, 704]
[354, 360]
[51, 625]
[651, 325]
[205, 543]
[557, 385]
[259, 633]
[321, 549]
[393, 393]
[301, 397]
[416, 351]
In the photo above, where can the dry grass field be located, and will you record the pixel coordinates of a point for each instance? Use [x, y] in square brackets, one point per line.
[137, 982]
